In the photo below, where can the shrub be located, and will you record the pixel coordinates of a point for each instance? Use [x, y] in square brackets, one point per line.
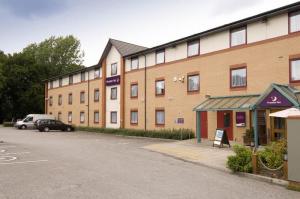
[8, 124]
[272, 155]
[241, 161]
[175, 134]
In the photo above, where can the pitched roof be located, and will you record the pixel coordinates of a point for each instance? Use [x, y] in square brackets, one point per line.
[125, 48]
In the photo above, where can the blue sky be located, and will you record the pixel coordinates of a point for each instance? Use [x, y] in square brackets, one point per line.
[93, 22]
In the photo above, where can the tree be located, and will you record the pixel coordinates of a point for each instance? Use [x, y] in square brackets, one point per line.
[22, 74]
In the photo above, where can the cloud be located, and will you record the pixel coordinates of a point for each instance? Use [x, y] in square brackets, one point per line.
[33, 8]
[230, 6]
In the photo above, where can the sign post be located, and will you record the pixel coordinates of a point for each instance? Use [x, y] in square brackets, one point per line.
[221, 138]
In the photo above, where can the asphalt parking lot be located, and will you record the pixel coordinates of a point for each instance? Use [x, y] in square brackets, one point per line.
[87, 165]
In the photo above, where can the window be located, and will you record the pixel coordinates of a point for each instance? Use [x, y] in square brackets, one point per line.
[160, 117]
[238, 77]
[113, 117]
[82, 118]
[28, 119]
[70, 79]
[295, 70]
[50, 101]
[113, 93]
[51, 84]
[193, 83]
[134, 63]
[96, 117]
[82, 76]
[60, 82]
[97, 73]
[134, 90]
[193, 48]
[59, 116]
[160, 57]
[159, 87]
[295, 21]
[70, 98]
[238, 36]
[96, 95]
[60, 100]
[134, 117]
[69, 117]
[82, 97]
[114, 69]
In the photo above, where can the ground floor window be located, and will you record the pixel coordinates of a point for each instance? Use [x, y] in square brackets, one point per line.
[59, 116]
[96, 117]
[82, 117]
[159, 116]
[113, 117]
[70, 117]
[134, 117]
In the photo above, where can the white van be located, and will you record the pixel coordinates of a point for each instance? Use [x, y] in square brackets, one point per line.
[28, 121]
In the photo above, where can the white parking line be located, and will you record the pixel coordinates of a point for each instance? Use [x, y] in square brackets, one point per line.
[18, 153]
[8, 146]
[24, 162]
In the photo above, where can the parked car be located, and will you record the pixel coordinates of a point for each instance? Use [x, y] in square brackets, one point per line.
[28, 121]
[49, 124]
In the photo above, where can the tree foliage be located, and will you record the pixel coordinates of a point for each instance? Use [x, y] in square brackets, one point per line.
[22, 74]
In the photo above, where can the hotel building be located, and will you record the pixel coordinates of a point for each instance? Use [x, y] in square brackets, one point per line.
[229, 77]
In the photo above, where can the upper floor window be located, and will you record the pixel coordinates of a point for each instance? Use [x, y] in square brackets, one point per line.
[238, 77]
[193, 48]
[114, 69]
[160, 87]
[193, 83]
[160, 57]
[295, 70]
[134, 63]
[82, 97]
[113, 93]
[295, 21]
[50, 101]
[60, 100]
[96, 95]
[70, 79]
[60, 82]
[70, 98]
[238, 36]
[134, 90]
[51, 84]
[97, 73]
[82, 76]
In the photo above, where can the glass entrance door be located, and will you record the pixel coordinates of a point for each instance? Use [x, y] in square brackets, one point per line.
[278, 128]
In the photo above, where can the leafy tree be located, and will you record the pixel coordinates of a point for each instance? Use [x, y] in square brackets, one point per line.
[22, 74]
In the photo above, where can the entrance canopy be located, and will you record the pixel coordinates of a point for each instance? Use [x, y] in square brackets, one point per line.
[291, 112]
[242, 102]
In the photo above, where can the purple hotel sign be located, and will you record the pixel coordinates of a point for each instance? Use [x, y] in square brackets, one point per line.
[275, 99]
[240, 118]
[112, 81]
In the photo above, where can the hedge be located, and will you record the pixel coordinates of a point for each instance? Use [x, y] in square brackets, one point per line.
[174, 134]
[8, 124]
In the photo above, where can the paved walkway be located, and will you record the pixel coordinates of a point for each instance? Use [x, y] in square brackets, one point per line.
[189, 150]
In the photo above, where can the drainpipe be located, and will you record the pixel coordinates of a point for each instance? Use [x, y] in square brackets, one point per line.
[145, 94]
[198, 126]
[254, 119]
[88, 105]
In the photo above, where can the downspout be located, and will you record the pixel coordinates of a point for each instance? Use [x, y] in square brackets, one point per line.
[145, 94]
[88, 105]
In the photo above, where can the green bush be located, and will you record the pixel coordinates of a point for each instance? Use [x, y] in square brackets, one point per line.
[241, 161]
[8, 124]
[174, 134]
[272, 155]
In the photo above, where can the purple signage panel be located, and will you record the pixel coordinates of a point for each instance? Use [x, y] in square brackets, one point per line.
[240, 119]
[112, 81]
[275, 99]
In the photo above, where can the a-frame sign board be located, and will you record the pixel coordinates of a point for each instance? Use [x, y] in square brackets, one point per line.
[221, 138]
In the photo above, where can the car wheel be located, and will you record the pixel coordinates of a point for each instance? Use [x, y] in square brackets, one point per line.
[23, 127]
[46, 129]
[69, 129]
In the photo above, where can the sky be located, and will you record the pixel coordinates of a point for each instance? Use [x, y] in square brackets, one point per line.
[142, 22]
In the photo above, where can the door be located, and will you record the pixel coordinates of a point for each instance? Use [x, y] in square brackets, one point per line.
[203, 122]
[224, 121]
[262, 128]
[278, 128]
